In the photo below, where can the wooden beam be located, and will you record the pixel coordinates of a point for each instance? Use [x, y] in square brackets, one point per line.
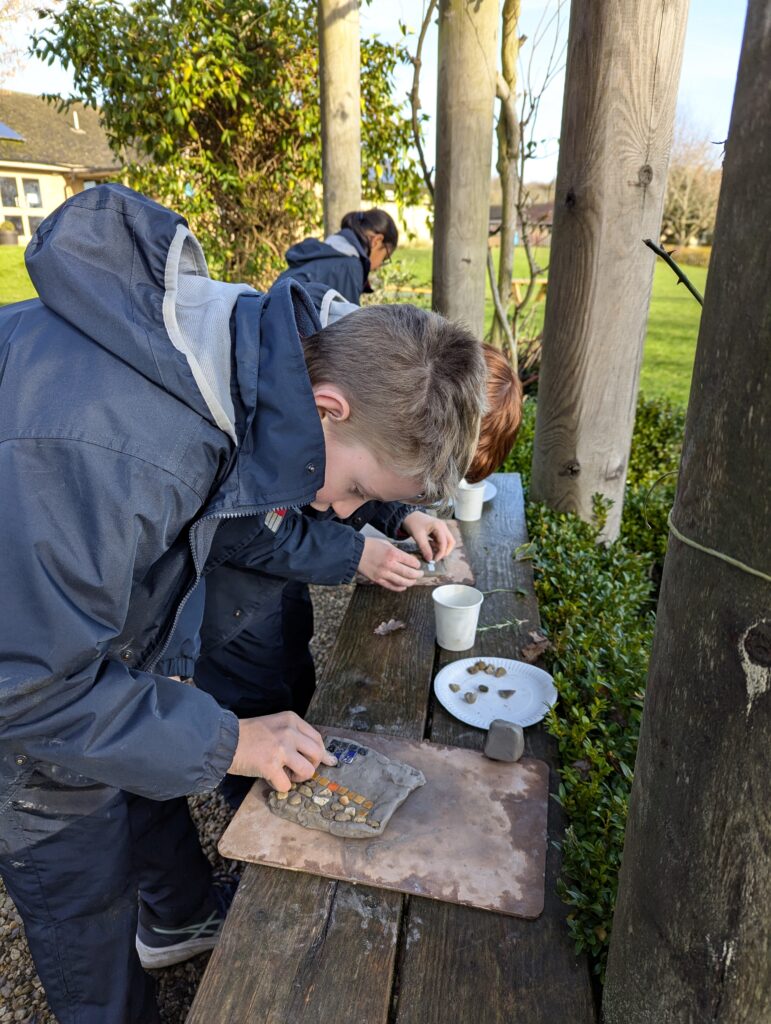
[623, 70]
[340, 70]
[468, 31]
[691, 934]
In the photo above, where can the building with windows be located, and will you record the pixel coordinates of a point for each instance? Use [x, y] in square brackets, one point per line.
[47, 156]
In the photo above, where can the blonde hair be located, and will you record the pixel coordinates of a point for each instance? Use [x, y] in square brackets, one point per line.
[501, 421]
[415, 383]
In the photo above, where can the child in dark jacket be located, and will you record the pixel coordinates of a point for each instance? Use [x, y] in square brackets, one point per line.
[365, 242]
[142, 405]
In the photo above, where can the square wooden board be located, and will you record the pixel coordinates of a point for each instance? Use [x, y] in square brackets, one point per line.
[475, 834]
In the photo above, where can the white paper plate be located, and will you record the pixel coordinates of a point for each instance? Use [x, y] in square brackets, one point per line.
[534, 694]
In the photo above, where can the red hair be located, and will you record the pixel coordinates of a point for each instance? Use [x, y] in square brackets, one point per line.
[501, 421]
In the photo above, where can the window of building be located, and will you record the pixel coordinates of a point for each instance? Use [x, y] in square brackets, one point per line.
[8, 192]
[32, 191]
[18, 227]
[89, 183]
[34, 224]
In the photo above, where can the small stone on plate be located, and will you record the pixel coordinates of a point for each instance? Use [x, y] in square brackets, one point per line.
[472, 670]
[483, 688]
[505, 694]
[469, 697]
[454, 687]
[500, 671]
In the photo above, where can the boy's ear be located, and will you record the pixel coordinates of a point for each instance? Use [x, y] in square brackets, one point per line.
[330, 401]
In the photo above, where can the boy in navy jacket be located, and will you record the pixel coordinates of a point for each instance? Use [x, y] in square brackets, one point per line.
[141, 405]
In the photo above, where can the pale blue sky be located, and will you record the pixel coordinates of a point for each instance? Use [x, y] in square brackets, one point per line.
[711, 57]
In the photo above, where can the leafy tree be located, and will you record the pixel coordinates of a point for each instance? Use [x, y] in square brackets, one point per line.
[214, 107]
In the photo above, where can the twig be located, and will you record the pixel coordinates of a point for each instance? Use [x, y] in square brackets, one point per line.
[415, 96]
[503, 625]
[500, 312]
[667, 257]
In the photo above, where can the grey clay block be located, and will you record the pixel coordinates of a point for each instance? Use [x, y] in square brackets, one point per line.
[505, 741]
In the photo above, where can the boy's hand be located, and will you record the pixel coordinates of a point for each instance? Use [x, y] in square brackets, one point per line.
[281, 749]
[382, 563]
[433, 536]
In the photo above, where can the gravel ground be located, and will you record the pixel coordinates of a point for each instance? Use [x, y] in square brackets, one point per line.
[21, 996]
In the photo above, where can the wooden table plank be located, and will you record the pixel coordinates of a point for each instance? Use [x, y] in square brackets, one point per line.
[300, 949]
[304, 950]
[488, 968]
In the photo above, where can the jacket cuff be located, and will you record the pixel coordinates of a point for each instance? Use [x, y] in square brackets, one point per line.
[358, 550]
[178, 666]
[222, 756]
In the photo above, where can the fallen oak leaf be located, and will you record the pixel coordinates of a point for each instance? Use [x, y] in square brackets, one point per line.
[389, 627]
[539, 645]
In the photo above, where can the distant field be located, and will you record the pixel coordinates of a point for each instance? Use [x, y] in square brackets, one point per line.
[673, 323]
[669, 346]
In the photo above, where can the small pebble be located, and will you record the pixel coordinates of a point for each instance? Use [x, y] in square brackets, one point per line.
[294, 799]
[373, 824]
[327, 814]
[350, 811]
[454, 687]
[325, 792]
[472, 670]
[344, 800]
[483, 688]
[312, 807]
[469, 697]
[320, 801]
[341, 817]
[490, 670]
[280, 796]
[500, 671]
[337, 806]
[360, 817]
[305, 790]
[480, 664]
[506, 693]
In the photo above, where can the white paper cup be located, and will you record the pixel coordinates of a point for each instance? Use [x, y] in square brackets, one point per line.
[468, 501]
[456, 610]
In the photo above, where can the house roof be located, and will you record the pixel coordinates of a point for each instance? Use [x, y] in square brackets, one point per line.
[50, 137]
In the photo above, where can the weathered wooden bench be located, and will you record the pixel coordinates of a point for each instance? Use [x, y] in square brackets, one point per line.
[298, 949]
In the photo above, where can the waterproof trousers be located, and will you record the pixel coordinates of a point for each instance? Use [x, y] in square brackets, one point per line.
[75, 856]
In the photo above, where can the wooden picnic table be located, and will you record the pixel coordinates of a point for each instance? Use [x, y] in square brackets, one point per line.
[300, 949]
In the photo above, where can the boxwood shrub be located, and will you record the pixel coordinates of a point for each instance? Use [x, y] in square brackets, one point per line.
[597, 605]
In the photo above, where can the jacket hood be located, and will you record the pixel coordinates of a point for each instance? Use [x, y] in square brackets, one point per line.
[128, 273]
[344, 243]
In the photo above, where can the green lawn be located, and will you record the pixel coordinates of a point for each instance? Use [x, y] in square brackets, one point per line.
[669, 345]
[14, 282]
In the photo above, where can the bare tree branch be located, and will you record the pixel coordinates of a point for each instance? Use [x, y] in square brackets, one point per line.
[414, 96]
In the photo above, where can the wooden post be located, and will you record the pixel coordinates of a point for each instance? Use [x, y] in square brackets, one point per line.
[339, 67]
[468, 31]
[623, 69]
[692, 932]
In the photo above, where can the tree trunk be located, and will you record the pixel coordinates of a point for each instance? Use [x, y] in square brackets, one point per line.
[468, 31]
[623, 69]
[508, 152]
[692, 931]
[339, 67]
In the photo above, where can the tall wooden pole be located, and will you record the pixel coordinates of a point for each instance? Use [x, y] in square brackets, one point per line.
[623, 70]
[692, 931]
[340, 69]
[468, 32]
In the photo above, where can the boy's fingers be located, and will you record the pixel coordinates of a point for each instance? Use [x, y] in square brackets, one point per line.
[329, 759]
[279, 780]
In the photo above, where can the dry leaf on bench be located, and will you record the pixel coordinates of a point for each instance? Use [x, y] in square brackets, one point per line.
[389, 627]
[539, 645]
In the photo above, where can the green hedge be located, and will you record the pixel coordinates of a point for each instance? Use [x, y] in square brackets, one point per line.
[597, 607]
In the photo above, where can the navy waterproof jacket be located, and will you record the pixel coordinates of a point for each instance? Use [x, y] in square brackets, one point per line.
[141, 404]
[311, 262]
